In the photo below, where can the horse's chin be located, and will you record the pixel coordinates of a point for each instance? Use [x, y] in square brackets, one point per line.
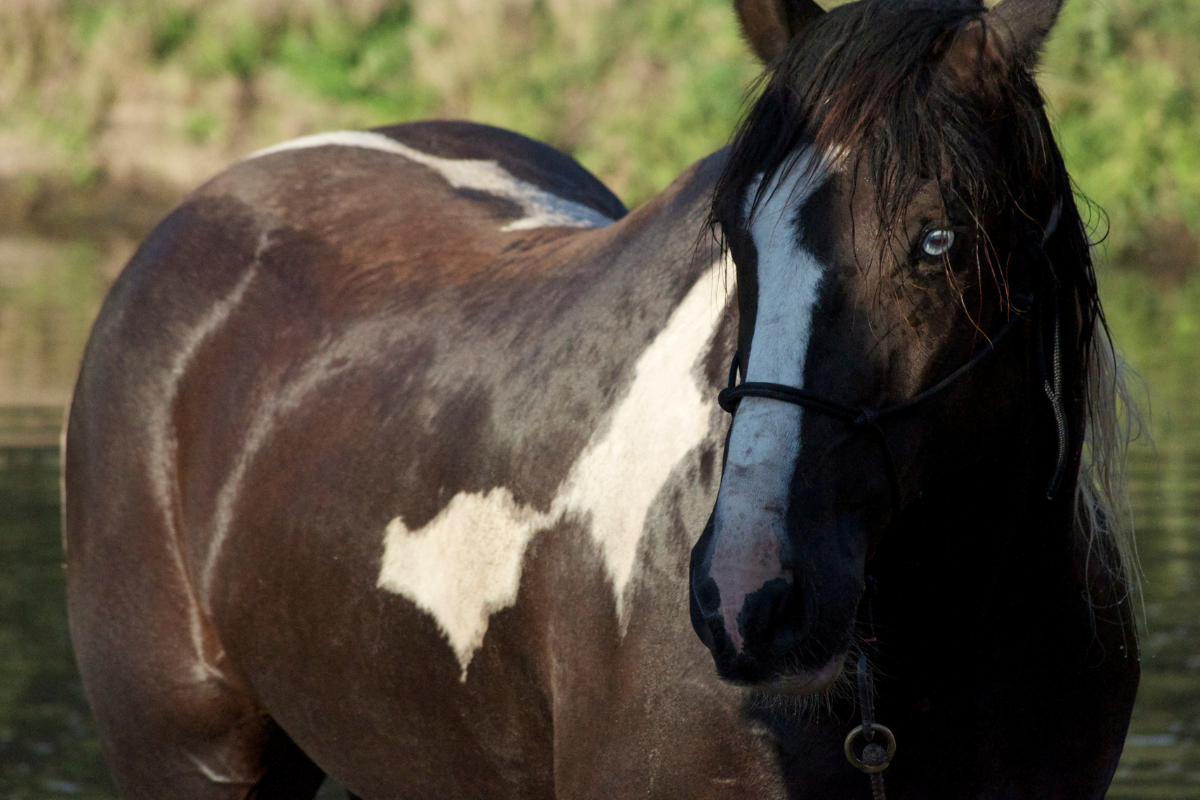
[803, 684]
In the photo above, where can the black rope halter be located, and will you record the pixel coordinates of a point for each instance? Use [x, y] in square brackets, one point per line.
[731, 396]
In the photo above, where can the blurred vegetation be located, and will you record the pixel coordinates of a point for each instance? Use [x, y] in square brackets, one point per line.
[635, 90]
[111, 109]
[1122, 77]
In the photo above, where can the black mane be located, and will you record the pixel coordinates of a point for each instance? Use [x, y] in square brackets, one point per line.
[870, 78]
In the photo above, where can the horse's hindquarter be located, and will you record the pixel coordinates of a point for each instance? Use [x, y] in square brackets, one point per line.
[439, 471]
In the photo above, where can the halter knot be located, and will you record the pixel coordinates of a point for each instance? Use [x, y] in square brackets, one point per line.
[868, 416]
[727, 403]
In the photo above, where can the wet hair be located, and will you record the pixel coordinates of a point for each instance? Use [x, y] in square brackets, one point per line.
[913, 91]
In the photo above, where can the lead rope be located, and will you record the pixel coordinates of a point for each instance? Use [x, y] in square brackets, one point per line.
[1053, 385]
[875, 757]
[873, 754]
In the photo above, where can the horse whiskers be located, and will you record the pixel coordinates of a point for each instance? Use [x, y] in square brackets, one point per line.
[819, 707]
[838, 697]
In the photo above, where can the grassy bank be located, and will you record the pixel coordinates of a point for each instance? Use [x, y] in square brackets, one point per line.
[110, 111]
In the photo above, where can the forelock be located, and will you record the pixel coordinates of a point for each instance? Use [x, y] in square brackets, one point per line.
[868, 79]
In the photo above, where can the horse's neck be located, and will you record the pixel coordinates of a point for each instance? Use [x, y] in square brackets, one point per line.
[987, 628]
[1003, 569]
[660, 237]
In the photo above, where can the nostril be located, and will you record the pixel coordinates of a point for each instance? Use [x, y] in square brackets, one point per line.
[766, 611]
[705, 611]
[707, 595]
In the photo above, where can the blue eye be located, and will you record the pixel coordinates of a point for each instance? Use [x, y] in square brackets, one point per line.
[938, 242]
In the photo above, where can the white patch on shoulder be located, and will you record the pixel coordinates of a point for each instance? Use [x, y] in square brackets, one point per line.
[465, 564]
[662, 418]
[542, 209]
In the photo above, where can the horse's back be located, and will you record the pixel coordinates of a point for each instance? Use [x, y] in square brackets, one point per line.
[317, 258]
[331, 255]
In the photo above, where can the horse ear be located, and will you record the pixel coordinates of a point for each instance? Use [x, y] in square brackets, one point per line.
[769, 25]
[1012, 32]
[1024, 26]
[975, 58]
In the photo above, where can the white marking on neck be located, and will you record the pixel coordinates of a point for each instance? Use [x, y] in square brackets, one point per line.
[465, 564]
[750, 534]
[542, 209]
[664, 416]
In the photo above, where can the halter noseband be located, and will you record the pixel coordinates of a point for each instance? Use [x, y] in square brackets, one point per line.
[731, 396]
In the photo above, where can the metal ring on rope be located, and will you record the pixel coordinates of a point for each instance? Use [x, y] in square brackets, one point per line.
[875, 757]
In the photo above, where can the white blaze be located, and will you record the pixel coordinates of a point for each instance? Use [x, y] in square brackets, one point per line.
[542, 209]
[465, 564]
[749, 530]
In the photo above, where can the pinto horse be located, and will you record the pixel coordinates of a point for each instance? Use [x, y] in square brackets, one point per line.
[398, 456]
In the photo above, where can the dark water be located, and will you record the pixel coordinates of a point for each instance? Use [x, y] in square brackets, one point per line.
[48, 746]
[1162, 756]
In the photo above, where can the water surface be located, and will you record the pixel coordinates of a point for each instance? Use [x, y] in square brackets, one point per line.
[48, 746]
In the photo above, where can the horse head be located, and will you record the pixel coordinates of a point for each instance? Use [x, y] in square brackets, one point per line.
[896, 207]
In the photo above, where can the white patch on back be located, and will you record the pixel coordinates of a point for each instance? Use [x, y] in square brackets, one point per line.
[765, 439]
[465, 564]
[542, 209]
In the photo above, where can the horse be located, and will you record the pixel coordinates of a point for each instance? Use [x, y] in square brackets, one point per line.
[402, 456]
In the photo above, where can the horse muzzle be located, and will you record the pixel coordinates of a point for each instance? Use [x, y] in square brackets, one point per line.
[779, 624]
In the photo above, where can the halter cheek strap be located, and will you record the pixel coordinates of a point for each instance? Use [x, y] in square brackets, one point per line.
[731, 396]
[1052, 382]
